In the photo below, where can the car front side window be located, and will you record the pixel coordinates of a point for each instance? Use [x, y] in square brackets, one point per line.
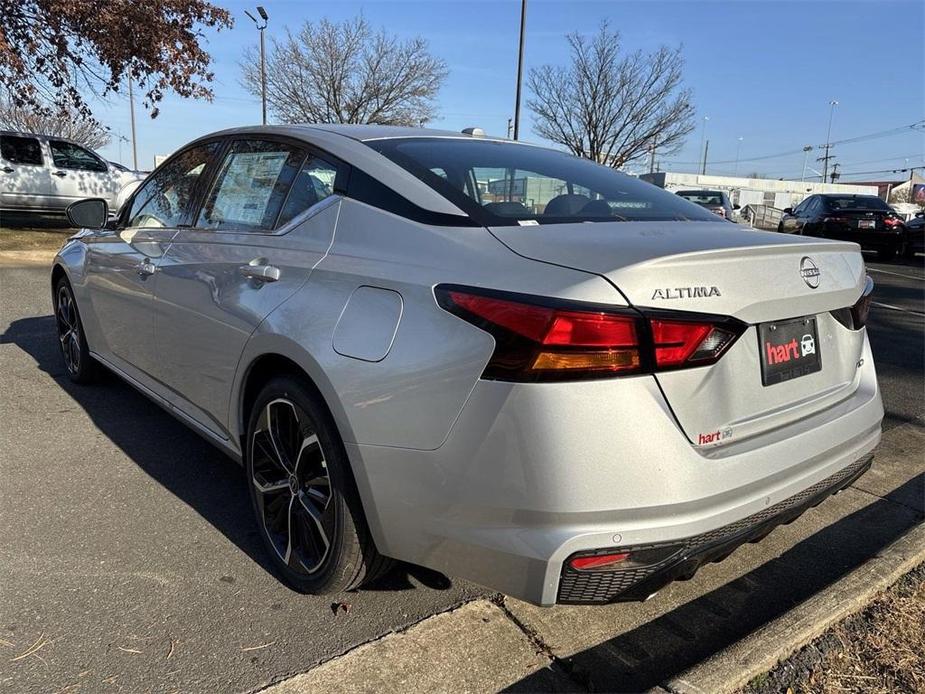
[164, 199]
[21, 150]
[67, 155]
[252, 185]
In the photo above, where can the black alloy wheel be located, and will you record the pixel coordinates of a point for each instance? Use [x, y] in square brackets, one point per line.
[81, 367]
[303, 493]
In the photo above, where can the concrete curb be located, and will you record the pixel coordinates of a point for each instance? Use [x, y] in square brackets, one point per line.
[473, 648]
[735, 666]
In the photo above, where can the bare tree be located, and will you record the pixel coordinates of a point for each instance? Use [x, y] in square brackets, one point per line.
[610, 107]
[63, 122]
[343, 72]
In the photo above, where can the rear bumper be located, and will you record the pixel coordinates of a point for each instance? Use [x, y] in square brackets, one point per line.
[532, 474]
[686, 557]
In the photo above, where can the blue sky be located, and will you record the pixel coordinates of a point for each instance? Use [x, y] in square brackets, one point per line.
[762, 70]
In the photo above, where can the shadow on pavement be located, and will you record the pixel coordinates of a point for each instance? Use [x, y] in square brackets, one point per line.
[178, 459]
[26, 220]
[667, 646]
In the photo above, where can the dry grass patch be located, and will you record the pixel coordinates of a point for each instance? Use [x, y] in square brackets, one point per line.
[878, 650]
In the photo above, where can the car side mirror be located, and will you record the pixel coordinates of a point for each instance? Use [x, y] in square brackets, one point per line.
[92, 213]
[788, 210]
[737, 207]
[920, 214]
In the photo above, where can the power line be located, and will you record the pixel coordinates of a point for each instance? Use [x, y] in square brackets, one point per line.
[918, 125]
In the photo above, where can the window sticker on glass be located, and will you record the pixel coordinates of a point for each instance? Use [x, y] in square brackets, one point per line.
[247, 185]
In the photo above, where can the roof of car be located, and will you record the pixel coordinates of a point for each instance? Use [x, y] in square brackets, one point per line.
[364, 133]
[359, 133]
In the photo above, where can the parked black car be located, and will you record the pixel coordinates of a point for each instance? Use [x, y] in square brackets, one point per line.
[915, 235]
[717, 201]
[864, 219]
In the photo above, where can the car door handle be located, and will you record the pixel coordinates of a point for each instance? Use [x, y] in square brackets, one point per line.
[146, 268]
[260, 271]
[59, 174]
[7, 169]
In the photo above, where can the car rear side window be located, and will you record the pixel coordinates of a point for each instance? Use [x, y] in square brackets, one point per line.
[21, 150]
[314, 183]
[855, 202]
[164, 199]
[251, 186]
[504, 183]
[67, 155]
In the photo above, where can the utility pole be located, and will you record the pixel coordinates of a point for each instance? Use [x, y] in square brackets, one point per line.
[510, 126]
[835, 175]
[263, 60]
[735, 171]
[131, 112]
[806, 150]
[703, 140]
[706, 151]
[520, 68]
[652, 158]
[828, 139]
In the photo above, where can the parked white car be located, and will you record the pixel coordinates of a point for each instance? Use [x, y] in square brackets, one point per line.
[42, 173]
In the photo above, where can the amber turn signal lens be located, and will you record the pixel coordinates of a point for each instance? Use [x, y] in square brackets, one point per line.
[611, 360]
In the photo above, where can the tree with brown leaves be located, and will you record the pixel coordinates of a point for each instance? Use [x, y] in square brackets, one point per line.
[55, 53]
[344, 72]
[610, 107]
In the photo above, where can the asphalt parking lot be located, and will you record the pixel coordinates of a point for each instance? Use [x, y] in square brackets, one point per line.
[129, 560]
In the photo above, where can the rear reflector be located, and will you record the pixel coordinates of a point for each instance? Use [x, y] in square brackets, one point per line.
[538, 339]
[599, 562]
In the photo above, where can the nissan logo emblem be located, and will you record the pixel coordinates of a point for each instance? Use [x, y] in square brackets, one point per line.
[809, 272]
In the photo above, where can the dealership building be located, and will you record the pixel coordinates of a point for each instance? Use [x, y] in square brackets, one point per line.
[754, 191]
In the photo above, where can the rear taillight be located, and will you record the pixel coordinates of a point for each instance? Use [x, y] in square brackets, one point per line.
[681, 343]
[855, 317]
[721, 211]
[892, 222]
[540, 339]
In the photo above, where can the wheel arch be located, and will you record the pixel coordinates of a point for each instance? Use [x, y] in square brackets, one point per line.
[270, 355]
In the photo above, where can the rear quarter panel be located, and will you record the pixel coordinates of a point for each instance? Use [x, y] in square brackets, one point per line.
[411, 397]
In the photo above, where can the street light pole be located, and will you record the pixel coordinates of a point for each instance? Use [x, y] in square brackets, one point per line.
[828, 137]
[520, 68]
[131, 112]
[263, 61]
[703, 142]
[806, 150]
[735, 171]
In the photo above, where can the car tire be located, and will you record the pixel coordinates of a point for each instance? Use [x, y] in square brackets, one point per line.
[79, 365]
[886, 254]
[303, 493]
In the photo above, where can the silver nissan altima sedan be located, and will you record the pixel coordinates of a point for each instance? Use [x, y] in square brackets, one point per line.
[489, 358]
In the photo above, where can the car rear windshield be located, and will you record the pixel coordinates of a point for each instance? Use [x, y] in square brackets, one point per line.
[702, 197]
[503, 183]
[856, 202]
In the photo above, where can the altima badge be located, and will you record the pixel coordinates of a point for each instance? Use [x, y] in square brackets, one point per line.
[809, 272]
[686, 293]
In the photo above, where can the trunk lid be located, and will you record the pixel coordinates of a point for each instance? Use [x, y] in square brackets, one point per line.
[728, 270]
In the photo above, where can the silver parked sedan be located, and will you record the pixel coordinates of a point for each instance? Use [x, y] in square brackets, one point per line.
[489, 358]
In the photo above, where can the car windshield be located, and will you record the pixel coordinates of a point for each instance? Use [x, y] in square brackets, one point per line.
[856, 202]
[703, 197]
[502, 183]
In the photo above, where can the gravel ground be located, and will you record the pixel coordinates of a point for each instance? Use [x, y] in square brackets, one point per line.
[881, 649]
